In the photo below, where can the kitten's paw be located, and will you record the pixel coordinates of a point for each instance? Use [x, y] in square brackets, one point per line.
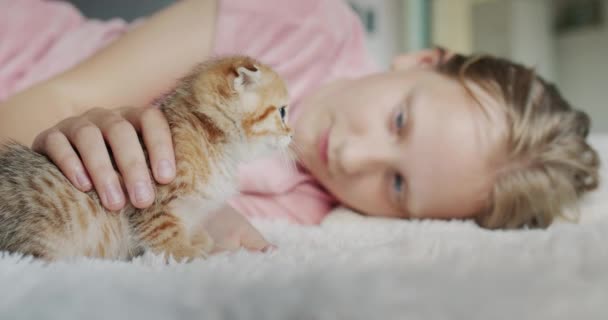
[199, 246]
[203, 243]
[183, 249]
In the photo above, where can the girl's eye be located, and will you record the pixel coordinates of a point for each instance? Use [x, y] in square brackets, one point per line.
[399, 121]
[283, 112]
[397, 183]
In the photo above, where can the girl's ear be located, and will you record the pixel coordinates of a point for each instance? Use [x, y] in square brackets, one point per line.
[428, 58]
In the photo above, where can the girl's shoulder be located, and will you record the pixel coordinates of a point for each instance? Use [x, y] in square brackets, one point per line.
[331, 16]
[307, 42]
[43, 38]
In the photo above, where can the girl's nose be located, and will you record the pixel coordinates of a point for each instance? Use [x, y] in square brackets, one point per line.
[359, 155]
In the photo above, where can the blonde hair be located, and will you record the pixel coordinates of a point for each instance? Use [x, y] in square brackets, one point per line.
[548, 165]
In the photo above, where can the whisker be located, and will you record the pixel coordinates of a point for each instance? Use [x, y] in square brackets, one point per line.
[288, 159]
[295, 150]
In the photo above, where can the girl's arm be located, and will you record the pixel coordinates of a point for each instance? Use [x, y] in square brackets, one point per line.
[131, 71]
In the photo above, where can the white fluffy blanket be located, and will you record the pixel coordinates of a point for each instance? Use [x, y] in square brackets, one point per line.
[348, 268]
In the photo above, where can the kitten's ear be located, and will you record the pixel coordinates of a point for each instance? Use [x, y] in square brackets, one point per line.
[246, 77]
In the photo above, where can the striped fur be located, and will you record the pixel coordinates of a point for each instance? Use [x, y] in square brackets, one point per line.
[222, 113]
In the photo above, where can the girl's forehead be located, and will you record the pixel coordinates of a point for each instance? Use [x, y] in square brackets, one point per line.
[451, 146]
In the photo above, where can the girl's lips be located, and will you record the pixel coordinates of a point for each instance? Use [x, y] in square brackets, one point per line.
[324, 146]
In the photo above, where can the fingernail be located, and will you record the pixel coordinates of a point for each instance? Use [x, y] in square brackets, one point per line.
[143, 192]
[165, 169]
[113, 195]
[82, 179]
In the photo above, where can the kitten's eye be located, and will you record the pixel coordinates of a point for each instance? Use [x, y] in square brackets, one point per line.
[283, 112]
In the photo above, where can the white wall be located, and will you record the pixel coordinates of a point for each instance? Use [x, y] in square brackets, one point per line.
[582, 71]
[452, 24]
[531, 35]
[577, 61]
[388, 38]
[520, 30]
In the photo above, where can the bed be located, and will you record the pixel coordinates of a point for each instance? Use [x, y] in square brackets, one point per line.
[349, 267]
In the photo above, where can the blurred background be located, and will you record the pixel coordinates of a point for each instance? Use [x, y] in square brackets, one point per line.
[565, 40]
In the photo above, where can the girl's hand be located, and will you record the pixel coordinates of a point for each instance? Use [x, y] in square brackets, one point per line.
[79, 147]
[231, 231]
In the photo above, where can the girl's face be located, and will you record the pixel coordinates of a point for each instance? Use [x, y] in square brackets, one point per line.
[407, 143]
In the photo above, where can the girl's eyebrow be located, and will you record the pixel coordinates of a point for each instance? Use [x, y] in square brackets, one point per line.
[411, 100]
[408, 102]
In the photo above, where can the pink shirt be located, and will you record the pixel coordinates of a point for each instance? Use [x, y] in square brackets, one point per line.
[308, 42]
[39, 39]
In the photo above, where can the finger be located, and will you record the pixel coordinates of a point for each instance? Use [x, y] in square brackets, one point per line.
[223, 242]
[270, 248]
[224, 246]
[55, 145]
[157, 138]
[252, 239]
[89, 142]
[129, 156]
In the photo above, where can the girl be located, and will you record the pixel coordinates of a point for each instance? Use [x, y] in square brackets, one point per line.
[441, 135]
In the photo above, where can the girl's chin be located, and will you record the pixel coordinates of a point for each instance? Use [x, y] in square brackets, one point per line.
[305, 146]
[306, 160]
[309, 165]
[303, 155]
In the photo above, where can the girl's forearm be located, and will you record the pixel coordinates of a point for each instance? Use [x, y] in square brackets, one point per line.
[131, 71]
[28, 113]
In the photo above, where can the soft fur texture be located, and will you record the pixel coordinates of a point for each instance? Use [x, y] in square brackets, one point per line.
[224, 112]
[348, 268]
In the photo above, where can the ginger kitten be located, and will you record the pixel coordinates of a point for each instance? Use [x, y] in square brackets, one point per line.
[224, 112]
